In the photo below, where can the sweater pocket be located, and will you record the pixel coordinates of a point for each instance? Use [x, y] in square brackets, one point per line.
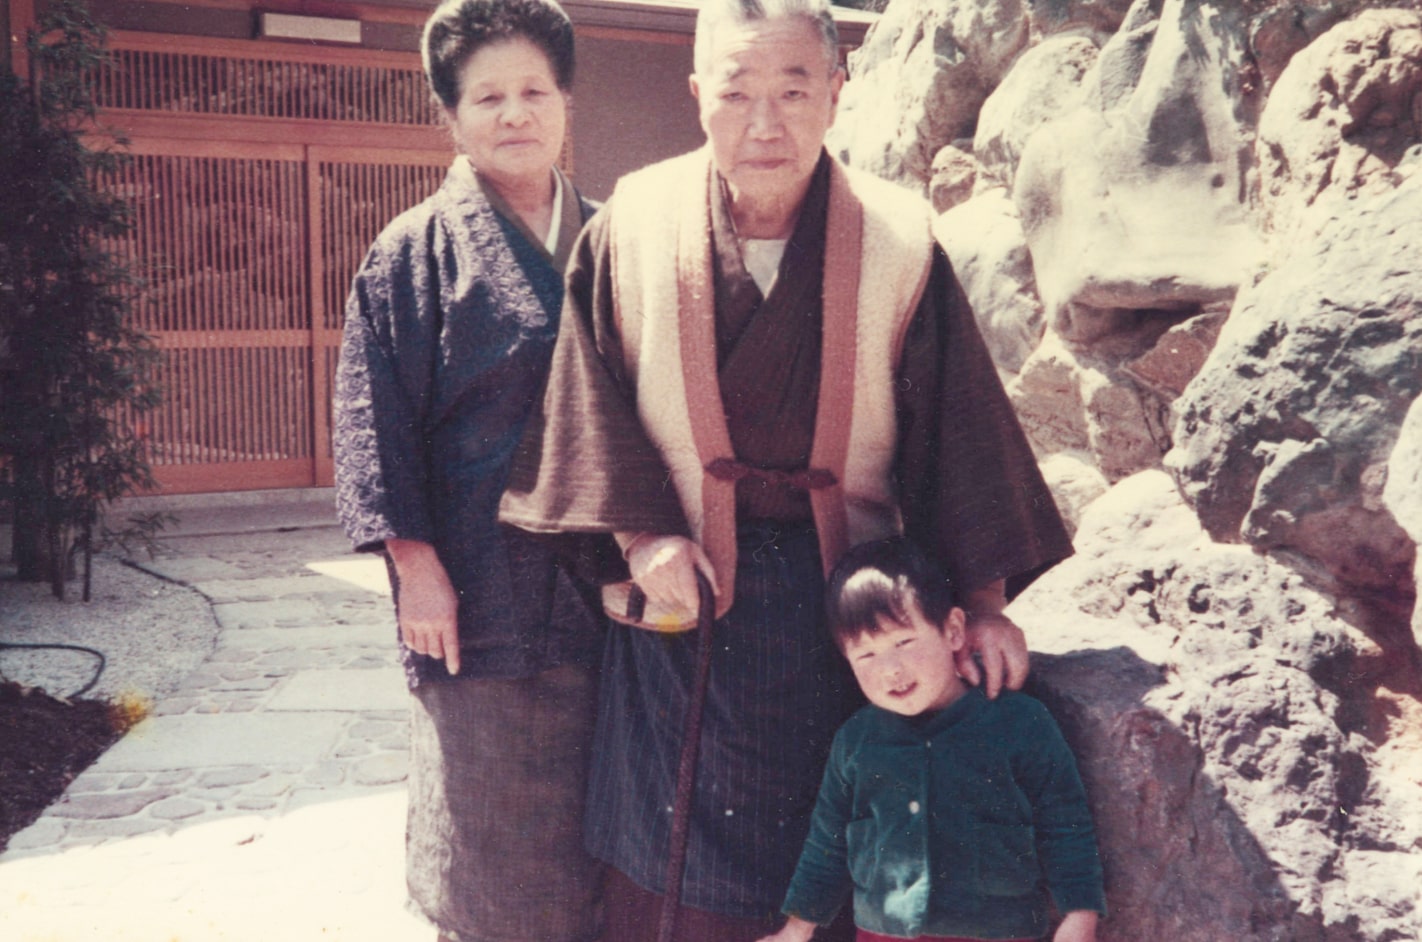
[863, 852]
[1006, 856]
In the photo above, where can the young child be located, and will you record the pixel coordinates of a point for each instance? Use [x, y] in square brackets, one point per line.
[949, 815]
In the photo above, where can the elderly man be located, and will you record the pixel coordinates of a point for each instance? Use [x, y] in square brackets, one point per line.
[764, 360]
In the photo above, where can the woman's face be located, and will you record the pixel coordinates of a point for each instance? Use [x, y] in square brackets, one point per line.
[511, 115]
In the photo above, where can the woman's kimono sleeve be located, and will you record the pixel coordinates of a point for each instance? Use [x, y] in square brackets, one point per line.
[970, 489]
[382, 398]
[586, 464]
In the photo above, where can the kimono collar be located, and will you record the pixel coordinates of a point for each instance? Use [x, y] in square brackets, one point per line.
[567, 214]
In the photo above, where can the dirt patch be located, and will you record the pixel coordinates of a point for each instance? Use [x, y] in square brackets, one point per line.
[44, 743]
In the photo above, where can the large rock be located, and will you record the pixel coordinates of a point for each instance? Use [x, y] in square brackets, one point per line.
[984, 242]
[1095, 16]
[919, 78]
[1075, 483]
[1213, 698]
[1284, 437]
[1134, 204]
[1043, 84]
[1282, 29]
[1076, 401]
[1402, 495]
[954, 176]
[1340, 119]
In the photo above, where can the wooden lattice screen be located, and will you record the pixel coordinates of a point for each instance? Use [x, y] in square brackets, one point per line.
[258, 181]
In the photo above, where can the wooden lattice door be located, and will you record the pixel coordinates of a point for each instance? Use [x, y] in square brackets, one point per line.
[354, 199]
[247, 252]
[260, 176]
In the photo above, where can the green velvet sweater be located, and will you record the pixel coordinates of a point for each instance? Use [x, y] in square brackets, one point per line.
[959, 823]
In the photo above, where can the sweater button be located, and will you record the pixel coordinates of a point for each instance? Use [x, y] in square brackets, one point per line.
[913, 807]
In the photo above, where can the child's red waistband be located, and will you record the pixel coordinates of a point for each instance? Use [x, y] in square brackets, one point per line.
[864, 935]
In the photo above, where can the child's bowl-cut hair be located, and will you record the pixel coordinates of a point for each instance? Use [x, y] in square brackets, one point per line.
[883, 579]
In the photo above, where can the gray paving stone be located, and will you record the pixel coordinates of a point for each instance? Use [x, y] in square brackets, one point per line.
[91, 781]
[368, 662]
[177, 809]
[374, 729]
[282, 662]
[245, 706]
[192, 569]
[198, 681]
[256, 683]
[225, 778]
[174, 706]
[353, 750]
[195, 741]
[172, 777]
[108, 804]
[395, 741]
[273, 786]
[285, 588]
[255, 804]
[248, 613]
[354, 690]
[381, 770]
[310, 797]
[43, 834]
[88, 832]
[229, 655]
[345, 637]
[325, 775]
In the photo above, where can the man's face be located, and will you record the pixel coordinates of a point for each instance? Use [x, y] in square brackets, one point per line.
[908, 669]
[767, 98]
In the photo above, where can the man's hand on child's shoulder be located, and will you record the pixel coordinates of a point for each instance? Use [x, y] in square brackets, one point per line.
[994, 639]
[794, 930]
[1002, 646]
[1079, 926]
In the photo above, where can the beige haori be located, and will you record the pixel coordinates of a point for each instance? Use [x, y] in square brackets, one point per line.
[878, 250]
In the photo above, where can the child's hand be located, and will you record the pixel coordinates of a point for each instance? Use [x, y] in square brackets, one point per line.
[1079, 926]
[794, 930]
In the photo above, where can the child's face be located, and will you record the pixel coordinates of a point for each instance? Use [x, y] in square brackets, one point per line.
[908, 669]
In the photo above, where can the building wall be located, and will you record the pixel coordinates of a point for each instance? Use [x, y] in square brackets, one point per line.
[262, 170]
[631, 107]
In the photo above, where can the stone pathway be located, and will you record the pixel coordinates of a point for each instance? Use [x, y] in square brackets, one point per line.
[264, 797]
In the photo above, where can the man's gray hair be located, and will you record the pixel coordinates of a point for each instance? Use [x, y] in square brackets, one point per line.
[717, 13]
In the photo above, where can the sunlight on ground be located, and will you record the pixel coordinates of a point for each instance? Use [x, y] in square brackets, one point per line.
[331, 871]
[368, 574]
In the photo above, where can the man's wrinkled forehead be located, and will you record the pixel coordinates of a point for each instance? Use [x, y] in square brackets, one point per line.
[726, 43]
[728, 69]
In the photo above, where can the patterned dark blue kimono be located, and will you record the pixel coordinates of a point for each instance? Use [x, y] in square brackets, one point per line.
[449, 328]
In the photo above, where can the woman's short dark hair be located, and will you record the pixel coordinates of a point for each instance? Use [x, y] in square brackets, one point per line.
[459, 28]
[884, 579]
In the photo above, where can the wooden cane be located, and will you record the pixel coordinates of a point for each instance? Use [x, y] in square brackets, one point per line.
[686, 769]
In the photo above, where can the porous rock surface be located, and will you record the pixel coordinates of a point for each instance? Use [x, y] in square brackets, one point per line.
[1193, 243]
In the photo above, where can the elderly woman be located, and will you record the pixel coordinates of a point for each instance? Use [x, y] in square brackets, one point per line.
[449, 328]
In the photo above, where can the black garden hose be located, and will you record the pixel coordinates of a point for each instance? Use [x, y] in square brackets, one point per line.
[98, 669]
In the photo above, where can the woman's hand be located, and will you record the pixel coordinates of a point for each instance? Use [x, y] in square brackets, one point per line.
[1078, 926]
[428, 609]
[794, 930]
[996, 639]
[665, 568]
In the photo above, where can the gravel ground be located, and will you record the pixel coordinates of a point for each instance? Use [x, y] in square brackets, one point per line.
[152, 633]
